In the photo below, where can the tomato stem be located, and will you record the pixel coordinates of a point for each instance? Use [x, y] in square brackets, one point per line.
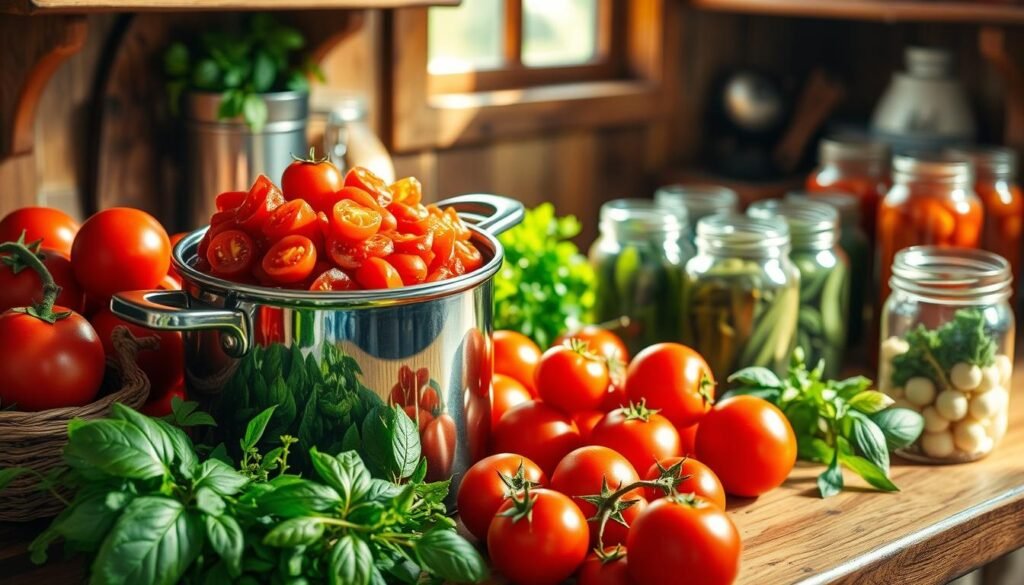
[43, 309]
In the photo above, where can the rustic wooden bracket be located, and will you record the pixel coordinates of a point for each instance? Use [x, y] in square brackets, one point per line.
[31, 50]
[992, 45]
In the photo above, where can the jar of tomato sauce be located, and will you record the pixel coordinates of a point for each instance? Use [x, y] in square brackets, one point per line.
[995, 170]
[932, 202]
[855, 165]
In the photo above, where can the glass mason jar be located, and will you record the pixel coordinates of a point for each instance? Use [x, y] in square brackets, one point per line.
[947, 336]
[995, 174]
[855, 165]
[855, 243]
[697, 202]
[742, 294]
[824, 277]
[639, 264]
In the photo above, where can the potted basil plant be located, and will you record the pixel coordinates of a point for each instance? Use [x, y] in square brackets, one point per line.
[244, 98]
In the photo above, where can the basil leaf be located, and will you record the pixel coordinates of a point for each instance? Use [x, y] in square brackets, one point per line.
[295, 532]
[757, 377]
[9, 474]
[351, 562]
[901, 426]
[871, 473]
[869, 440]
[770, 394]
[225, 537]
[830, 482]
[345, 473]
[351, 442]
[870, 402]
[300, 498]
[451, 557]
[851, 386]
[254, 110]
[421, 471]
[220, 477]
[814, 449]
[254, 430]
[392, 442]
[208, 501]
[263, 72]
[153, 542]
[381, 490]
[85, 524]
[113, 447]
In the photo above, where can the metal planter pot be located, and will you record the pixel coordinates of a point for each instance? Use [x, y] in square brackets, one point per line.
[426, 347]
[226, 155]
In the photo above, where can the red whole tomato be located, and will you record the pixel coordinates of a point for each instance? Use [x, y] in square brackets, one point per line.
[162, 404]
[231, 253]
[641, 435]
[583, 472]
[378, 273]
[164, 366]
[506, 393]
[749, 445]
[364, 179]
[438, 441]
[54, 227]
[598, 571]
[701, 481]
[688, 440]
[312, 179]
[571, 378]
[120, 249]
[263, 198]
[171, 272]
[333, 279]
[25, 288]
[478, 422]
[516, 355]
[291, 259]
[683, 535]
[485, 487]
[673, 379]
[48, 365]
[599, 341]
[419, 416]
[537, 431]
[537, 538]
[586, 420]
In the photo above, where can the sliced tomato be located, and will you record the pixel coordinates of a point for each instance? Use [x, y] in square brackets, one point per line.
[378, 273]
[352, 221]
[351, 255]
[468, 255]
[333, 279]
[455, 223]
[407, 191]
[231, 253]
[291, 259]
[358, 195]
[444, 244]
[263, 198]
[411, 219]
[229, 201]
[293, 217]
[410, 267]
[388, 222]
[413, 243]
[364, 179]
[442, 273]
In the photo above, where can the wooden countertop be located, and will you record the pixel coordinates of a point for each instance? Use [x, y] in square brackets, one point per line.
[947, 521]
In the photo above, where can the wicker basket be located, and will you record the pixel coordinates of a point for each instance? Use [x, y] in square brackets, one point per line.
[37, 439]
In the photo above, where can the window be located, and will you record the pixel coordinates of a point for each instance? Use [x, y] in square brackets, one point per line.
[499, 44]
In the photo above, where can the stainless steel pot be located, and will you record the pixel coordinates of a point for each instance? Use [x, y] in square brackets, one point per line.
[426, 347]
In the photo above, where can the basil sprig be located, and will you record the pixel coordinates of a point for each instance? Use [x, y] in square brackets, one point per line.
[149, 511]
[840, 423]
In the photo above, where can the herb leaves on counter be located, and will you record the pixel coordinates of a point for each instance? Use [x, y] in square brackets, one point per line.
[840, 423]
[150, 512]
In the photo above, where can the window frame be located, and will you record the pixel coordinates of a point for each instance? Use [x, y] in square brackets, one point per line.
[633, 91]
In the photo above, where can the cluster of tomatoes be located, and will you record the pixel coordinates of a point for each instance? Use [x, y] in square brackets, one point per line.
[53, 354]
[323, 231]
[617, 473]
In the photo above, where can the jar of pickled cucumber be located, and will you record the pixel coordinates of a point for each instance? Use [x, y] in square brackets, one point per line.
[855, 243]
[931, 203]
[742, 294]
[697, 202]
[947, 336]
[824, 277]
[639, 258]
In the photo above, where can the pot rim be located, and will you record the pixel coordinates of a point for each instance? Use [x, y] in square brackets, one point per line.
[487, 243]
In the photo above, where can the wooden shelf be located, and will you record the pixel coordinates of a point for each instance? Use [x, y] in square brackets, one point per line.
[875, 10]
[81, 6]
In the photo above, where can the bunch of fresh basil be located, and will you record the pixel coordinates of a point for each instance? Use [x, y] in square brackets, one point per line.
[149, 511]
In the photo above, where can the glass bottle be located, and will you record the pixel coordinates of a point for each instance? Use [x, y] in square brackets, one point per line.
[697, 202]
[931, 202]
[824, 277]
[639, 265]
[349, 140]
[855, 165]
[995, 174]
[742, 294]
[947, 336]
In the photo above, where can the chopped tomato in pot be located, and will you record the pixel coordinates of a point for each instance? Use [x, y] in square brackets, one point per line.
[231, 253]
[378, 273]
[293, 217]
[290, 260]
[364, 179]
[352, 221]
[263, 198]
[333, 279]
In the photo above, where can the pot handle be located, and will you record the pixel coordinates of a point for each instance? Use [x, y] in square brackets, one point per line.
[174, 310]
[493, 213]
